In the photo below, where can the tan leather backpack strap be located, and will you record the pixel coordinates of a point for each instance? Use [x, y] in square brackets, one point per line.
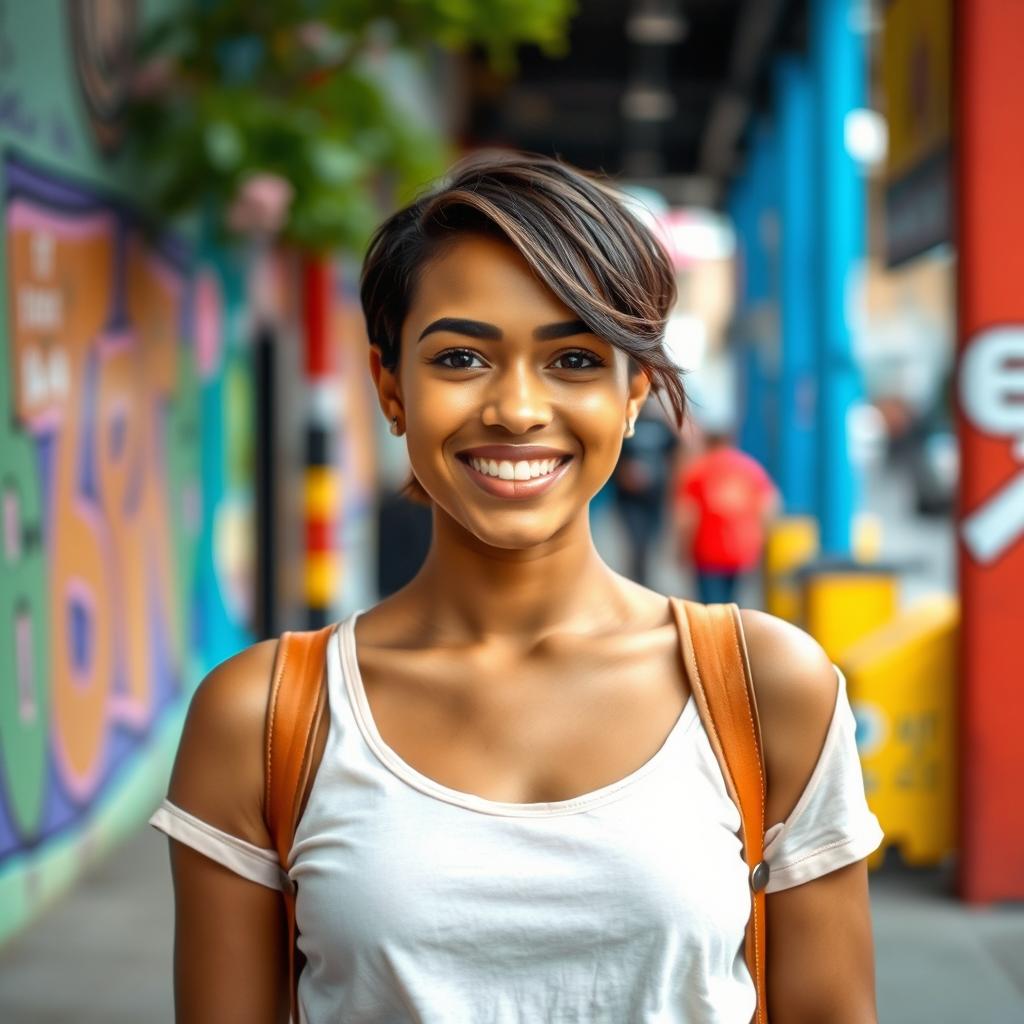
[297, 700]
[718, 671]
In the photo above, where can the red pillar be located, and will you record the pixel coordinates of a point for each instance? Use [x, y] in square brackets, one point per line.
[989, 89]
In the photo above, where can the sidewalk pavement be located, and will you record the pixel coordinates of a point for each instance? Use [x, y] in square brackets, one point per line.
[938, 961]
[103, 954]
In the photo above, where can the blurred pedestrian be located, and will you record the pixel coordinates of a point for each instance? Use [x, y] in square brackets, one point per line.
[642, 477]
[724, 499]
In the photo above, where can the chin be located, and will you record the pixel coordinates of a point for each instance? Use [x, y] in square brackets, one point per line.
[511, 535]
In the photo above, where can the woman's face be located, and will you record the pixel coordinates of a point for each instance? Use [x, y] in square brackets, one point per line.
[492, 361]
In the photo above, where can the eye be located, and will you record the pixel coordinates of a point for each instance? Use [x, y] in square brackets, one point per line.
[455, 353]
[581, 353]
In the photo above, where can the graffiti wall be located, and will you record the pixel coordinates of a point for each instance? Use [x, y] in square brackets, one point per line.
[124, 456]
[100, 514]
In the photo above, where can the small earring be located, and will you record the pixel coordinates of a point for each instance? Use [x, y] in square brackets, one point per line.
[630, 429]
[394, 425]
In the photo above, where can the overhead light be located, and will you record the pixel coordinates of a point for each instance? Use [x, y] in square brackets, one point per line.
[643, 103]
[866, 135]
[655, 28]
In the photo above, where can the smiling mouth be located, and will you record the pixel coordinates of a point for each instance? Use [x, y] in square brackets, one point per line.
[547, 473]
[517, 469]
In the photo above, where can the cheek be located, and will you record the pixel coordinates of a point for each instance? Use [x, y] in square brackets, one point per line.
[435, 411]
[597, 418]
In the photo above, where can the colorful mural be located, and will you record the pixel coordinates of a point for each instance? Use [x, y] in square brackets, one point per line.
[101, 511]
[125, 459]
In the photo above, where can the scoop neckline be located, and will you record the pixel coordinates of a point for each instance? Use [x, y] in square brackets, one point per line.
[390, 759]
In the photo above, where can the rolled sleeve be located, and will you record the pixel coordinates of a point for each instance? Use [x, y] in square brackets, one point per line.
[831, 825]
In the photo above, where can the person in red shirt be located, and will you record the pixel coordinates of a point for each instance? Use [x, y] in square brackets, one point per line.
[723, 500]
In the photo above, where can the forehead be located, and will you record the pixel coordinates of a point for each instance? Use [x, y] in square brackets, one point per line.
[478, 274]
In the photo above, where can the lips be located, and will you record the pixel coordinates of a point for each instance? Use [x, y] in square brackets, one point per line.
[516, 488]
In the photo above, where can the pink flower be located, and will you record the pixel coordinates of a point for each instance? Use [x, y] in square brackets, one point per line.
[261, 205]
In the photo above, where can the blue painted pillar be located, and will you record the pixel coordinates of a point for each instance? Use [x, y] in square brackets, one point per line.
[798, 294]
[839, 79]
[743, 214]
[757, 339]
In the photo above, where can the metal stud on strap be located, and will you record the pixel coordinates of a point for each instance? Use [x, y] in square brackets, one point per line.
[759, 876]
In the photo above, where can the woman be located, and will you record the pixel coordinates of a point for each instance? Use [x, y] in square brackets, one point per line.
[516, 815]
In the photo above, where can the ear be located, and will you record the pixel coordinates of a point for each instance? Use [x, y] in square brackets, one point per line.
[639, 389]
[386, 383]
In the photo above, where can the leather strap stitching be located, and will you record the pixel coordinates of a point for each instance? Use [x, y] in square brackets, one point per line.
[750, 717]
[283, 648]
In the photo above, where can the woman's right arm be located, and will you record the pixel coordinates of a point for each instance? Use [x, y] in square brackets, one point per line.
[230, 933]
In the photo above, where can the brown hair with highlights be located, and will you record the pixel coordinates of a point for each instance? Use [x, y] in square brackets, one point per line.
[574, 231]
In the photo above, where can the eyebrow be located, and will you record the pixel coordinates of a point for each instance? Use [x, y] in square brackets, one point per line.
[490, 332]
[552, 332]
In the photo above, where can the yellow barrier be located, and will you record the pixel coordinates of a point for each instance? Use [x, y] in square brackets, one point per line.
[790, 542]
[901, 680]
[844, 601]
[867, 537]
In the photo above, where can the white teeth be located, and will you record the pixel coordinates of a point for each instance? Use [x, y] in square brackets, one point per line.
[507, 470]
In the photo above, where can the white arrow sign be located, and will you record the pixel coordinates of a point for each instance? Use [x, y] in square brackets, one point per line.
[995, 524]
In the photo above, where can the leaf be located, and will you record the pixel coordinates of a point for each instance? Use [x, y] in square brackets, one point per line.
[224, 145]
[334, 163]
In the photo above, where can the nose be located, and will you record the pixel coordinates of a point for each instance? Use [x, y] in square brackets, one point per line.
[518, 400]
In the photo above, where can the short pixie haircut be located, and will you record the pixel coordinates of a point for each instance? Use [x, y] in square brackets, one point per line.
[573, 230]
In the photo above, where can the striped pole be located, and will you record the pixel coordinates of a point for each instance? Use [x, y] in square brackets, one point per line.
[321, 474]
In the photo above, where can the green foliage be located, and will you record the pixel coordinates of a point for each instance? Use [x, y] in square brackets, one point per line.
[297, 88]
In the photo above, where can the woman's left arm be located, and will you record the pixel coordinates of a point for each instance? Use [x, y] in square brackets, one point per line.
[820, 950]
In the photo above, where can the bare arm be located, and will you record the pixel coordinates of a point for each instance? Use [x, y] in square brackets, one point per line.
[820, 949]
[230, 937]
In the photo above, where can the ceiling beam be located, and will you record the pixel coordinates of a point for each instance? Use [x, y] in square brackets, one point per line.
[756, 30]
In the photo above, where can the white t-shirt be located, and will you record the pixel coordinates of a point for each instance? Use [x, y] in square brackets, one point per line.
[421, 903]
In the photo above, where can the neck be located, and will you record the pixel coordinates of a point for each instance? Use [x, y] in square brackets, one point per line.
[469, 591]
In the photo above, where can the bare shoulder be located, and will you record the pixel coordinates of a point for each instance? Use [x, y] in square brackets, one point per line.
[218, 770]
[793, 676]
[795, 685]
